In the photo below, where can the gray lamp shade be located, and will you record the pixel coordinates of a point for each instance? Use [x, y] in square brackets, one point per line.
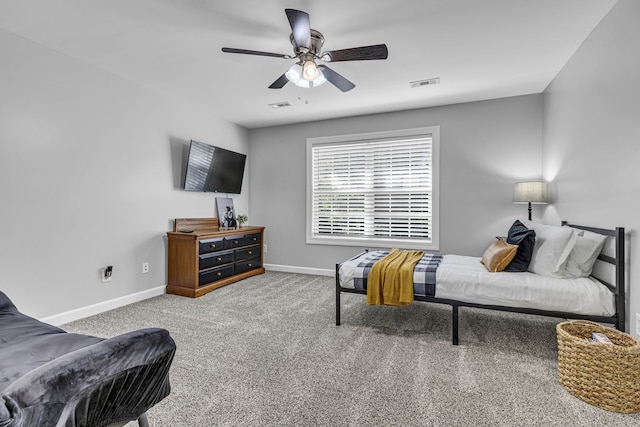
[530, 192]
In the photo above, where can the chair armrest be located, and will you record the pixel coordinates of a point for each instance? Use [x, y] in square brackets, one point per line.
[116, 379]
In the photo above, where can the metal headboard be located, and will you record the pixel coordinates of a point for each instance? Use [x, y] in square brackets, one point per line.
[618, 261]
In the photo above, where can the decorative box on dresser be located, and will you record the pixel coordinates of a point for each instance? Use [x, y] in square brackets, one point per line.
[204, 257]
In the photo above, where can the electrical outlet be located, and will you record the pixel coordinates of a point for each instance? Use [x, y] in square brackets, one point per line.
[265, 248]
[637, 323]
[107, 272]
[145, 267]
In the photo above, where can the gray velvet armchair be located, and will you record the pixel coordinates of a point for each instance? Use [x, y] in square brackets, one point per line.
[49, 377]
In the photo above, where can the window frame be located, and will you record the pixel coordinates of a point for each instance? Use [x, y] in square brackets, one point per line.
[378, 242]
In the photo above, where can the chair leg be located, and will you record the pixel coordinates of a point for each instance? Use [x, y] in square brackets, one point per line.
[142, 420]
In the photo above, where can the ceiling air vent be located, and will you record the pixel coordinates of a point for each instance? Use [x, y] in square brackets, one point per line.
[427, 82]
[280, 104]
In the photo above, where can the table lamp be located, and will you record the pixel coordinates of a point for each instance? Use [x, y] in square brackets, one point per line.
[530, 192]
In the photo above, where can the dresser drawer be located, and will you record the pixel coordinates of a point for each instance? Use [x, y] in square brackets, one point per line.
[233, 242]
[215, 259]
[247, 265]
[246, 253]
[253, 239]
[210, 276]
[211, 245]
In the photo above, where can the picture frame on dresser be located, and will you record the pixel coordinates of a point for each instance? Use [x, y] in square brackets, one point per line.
[226, 212]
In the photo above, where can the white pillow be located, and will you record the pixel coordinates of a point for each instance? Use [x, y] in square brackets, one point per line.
[552, 248]
[584, 254]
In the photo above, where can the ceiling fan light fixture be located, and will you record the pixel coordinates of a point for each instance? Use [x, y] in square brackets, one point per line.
[310, 70]
[307, 48]
[296, 75]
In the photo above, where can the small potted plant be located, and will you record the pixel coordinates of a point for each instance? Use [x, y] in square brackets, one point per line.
[242, 219]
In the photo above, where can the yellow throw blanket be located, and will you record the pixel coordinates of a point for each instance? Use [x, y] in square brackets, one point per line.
[390, 280]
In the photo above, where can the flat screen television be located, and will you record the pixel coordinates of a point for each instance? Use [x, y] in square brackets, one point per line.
[214, 169]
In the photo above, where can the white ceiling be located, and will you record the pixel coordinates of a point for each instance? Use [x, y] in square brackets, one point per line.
[480, 49]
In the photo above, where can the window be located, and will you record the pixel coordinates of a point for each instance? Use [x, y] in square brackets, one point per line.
[375, 189]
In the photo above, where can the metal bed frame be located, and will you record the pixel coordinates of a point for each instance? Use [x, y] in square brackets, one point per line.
[617, 288]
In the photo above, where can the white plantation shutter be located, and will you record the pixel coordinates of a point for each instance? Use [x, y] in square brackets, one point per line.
[378, 189]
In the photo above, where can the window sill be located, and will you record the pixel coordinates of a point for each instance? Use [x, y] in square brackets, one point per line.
[367, 242]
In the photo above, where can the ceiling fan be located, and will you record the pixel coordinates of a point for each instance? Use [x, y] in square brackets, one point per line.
[307, 44]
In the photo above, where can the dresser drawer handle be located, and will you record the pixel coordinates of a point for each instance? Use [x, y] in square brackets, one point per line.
[235, 242]
[254, 239]
[219, 259]
[250, 265]
[219, 274]
[212, 246]
[250, 252]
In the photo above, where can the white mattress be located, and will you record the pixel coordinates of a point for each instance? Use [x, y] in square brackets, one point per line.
[464, 278]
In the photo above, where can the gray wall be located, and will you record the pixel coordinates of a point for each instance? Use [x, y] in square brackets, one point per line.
[485, 147]
[591, 128]
[90, 170]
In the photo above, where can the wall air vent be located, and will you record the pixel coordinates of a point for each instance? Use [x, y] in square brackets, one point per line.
[280, 104]
[427, 82]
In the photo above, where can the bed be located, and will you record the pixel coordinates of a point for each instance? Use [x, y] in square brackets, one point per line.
[463, 281]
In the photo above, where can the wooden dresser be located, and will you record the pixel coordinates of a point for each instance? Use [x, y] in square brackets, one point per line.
[204, 257]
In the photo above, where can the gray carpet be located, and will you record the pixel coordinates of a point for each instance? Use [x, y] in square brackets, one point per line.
[266, 351]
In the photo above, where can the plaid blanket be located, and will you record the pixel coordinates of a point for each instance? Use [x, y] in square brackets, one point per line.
[424, 274]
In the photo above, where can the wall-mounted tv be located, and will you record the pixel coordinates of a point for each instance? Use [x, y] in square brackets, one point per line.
[214, 169]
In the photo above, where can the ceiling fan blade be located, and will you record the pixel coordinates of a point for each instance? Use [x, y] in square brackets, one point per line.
[378, 51]
[255, 52]
[336, 79]
[300, 27]
[279, 84]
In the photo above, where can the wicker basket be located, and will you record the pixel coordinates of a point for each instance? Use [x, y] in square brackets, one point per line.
[604, 375]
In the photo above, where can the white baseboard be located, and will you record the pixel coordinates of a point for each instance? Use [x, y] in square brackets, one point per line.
[90, 310]
[301, 270]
